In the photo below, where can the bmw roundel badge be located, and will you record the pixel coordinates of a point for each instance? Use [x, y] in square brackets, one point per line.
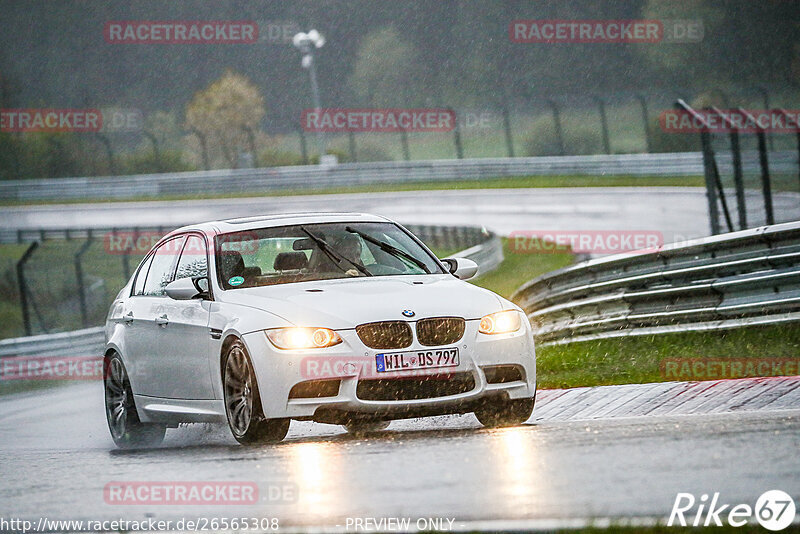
[408, 313]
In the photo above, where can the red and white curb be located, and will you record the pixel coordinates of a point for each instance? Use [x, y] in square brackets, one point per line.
[668, 398]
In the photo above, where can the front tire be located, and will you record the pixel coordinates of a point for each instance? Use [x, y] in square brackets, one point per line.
[126, 428]
[243, 402]
[503, 413]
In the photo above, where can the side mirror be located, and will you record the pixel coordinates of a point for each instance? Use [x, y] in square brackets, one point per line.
[188, 288]
[461, 268]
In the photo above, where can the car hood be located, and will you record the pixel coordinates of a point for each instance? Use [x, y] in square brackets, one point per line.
[345, 303]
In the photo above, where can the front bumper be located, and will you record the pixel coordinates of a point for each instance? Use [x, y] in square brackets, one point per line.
[349, 363]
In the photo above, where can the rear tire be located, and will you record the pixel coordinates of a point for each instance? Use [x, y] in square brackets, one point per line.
[127, 430]
[243, 402]
[497, 413]
[362, 428]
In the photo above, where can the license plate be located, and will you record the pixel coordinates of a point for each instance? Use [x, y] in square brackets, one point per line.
[417, 359]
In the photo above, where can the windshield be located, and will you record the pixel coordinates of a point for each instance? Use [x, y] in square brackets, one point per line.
[300, 253]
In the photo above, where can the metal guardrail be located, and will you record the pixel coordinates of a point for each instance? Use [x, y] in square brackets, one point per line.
[304, 177]
[719, 282]
[88, 341]
[485, 248]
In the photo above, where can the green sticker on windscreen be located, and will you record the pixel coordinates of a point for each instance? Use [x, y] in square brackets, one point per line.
[236, 281]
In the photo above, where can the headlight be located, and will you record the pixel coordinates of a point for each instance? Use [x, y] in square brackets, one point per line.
[500, 323]
[303, 338]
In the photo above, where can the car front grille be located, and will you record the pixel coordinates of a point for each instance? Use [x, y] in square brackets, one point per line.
[436, 331]
[385, 335]
[403, 389]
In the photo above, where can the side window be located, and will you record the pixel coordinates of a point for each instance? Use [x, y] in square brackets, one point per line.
[161, 269]
[193, 260]
[138, 286]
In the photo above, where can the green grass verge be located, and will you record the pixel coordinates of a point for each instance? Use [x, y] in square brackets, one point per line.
[635, 360]
[517, 269]
[493, 183]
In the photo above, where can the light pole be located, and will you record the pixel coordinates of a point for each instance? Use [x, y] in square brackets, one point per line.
[306, 43]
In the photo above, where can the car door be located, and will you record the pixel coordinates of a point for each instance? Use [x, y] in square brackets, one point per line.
[140, 329]
[185, 342]
[145, 336]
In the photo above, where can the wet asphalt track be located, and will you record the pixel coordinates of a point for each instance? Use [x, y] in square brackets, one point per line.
[677, 212]
[57, 457]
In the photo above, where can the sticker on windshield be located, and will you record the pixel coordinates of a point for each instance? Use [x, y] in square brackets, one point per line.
[236, 281]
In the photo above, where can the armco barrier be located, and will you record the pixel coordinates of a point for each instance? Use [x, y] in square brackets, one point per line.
[304, 177]
[725, 281]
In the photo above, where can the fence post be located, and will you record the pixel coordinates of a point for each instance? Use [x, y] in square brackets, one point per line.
[303, 146]
[765, 97]
[557, 124]
[109, 152]
[645, 122]
[156, 152]
[203, 148]
[507, 127]
[126, 263]
[601, 106]
[797, 133]
[351, 141]
[738, 180]
[766, 184]
[79, 279]
[23, 286]
[708, 156]
[404, 144]
[457, 136]
[251, 141]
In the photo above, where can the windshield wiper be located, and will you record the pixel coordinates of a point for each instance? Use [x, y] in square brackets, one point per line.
[333, 255]
[391, 249]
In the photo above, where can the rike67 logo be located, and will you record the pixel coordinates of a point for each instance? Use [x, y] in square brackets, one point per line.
[774, 510]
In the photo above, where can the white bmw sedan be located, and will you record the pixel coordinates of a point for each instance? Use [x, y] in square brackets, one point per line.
[337, 318]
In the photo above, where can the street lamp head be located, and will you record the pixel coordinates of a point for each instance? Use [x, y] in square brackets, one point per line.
[300, 40]
[316, 38]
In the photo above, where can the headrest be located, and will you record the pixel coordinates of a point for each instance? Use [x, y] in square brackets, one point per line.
[287, 261]
[232, 263]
